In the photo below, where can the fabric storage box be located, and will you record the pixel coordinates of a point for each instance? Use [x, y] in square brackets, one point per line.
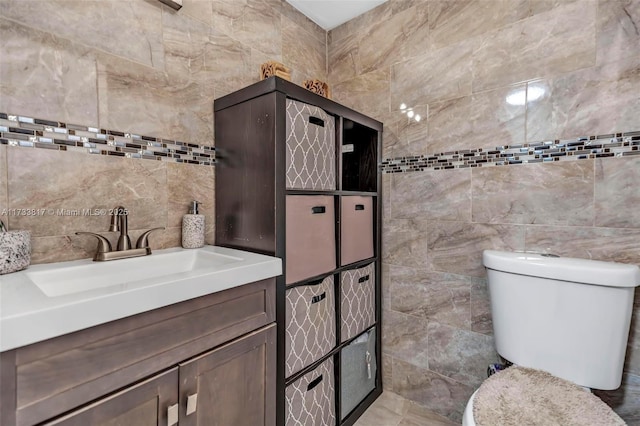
[358, 368]
[310, 400]
[310, 324]
[310, 240]
[356, 241]
[357, 300]
[311, 147]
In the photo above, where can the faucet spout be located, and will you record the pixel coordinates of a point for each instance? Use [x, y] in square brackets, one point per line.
[119, 222]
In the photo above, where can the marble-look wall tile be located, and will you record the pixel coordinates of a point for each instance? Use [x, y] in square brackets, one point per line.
[488, 121]
[456, 247]
[367, 93]
[596, 100]
[185, 184]
[632, 360]
[62, 248]
[551, 194]
[541, 6]
[617, 192]
[459, 354]
[404, 337]
[290, 12]
[625, 400]
[481, 321]
[406, 135]
[386, 286]
[130, 29]
[303, 53]
[386, 196]
[404, 242]
[402, 36]
[196, 9]
[361, 23]
[431, 390]
[52, 180]
[618, 30]
[342, 58]
[451, 22]
[42, 75]
[252, 22]
[606, 244]
[550, 43]
[134, 98]
[184, 43]
[432, 194]
[387, 372]
[446, 74]
[434, 296]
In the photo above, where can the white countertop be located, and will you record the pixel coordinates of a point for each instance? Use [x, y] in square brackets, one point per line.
[28, 315]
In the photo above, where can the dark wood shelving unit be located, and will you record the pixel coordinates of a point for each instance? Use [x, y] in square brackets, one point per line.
[251, 190]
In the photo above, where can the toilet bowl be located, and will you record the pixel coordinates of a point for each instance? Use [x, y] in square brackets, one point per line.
[564, 324]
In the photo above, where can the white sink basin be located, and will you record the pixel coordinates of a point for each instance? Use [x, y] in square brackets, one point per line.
[50, 300]
[71, 279]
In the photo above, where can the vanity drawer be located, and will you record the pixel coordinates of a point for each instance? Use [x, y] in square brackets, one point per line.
[60, 374]
[310, 240]
[310, 400]
[310, 324]
[311, 147]
[356, 240]
[358, 368]
[357, 300]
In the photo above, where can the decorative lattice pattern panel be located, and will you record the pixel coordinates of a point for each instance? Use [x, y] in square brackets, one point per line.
[310, 147]
[310, 399]
[310, 324]
[357, 289]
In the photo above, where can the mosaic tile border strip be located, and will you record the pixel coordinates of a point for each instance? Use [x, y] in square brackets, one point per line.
[610, 145]
[28, 132]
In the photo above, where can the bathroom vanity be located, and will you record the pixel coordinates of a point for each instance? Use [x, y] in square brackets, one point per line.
[205, 355]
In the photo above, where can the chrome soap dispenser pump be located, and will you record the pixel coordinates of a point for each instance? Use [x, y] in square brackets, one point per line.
[193, 227]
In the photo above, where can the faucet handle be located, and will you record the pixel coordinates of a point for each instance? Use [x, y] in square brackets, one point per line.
[104, 246]
[143, 240]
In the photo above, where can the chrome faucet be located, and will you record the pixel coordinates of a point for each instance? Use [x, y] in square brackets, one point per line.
[124, 248]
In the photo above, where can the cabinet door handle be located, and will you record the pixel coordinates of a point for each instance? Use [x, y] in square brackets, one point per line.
[318, 210]
[192, 403]
[359, 206]
[172, 415]
[317, 121]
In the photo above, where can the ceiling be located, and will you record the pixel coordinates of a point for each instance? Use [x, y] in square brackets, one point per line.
[331, 13]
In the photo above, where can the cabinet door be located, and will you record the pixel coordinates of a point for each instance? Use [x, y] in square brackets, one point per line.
[232, 385]
[145, 404]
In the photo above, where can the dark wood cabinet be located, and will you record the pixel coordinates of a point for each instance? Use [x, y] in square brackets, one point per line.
[298, 177]
[146, 369]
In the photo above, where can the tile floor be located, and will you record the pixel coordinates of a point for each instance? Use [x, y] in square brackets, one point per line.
[393, 410]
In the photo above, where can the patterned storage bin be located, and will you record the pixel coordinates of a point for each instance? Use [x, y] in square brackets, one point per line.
[311, 148]
[358, 300]
[356, 241]
[310, 324]
[310, 400]
[310, 240]
[358, 368]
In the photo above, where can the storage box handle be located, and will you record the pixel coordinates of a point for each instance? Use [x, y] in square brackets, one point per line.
[318, 298]
[317, 121]
[359, 206]
[318, 210]
[363, 279]
[314, 383]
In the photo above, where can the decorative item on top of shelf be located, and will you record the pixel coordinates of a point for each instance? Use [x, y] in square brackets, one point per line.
[271, 68]
[318, 87]
[15, 250]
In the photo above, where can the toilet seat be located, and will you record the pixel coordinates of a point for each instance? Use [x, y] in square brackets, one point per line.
[520, 395]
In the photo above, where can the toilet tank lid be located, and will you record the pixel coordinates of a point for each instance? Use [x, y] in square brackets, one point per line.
[563, 268]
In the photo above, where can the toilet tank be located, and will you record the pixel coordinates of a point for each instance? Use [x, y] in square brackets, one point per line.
[569, 317]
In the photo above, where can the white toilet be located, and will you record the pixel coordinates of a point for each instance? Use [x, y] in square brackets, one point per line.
[568, 317]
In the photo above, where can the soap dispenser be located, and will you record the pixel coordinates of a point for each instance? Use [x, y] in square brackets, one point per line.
[193, 227]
